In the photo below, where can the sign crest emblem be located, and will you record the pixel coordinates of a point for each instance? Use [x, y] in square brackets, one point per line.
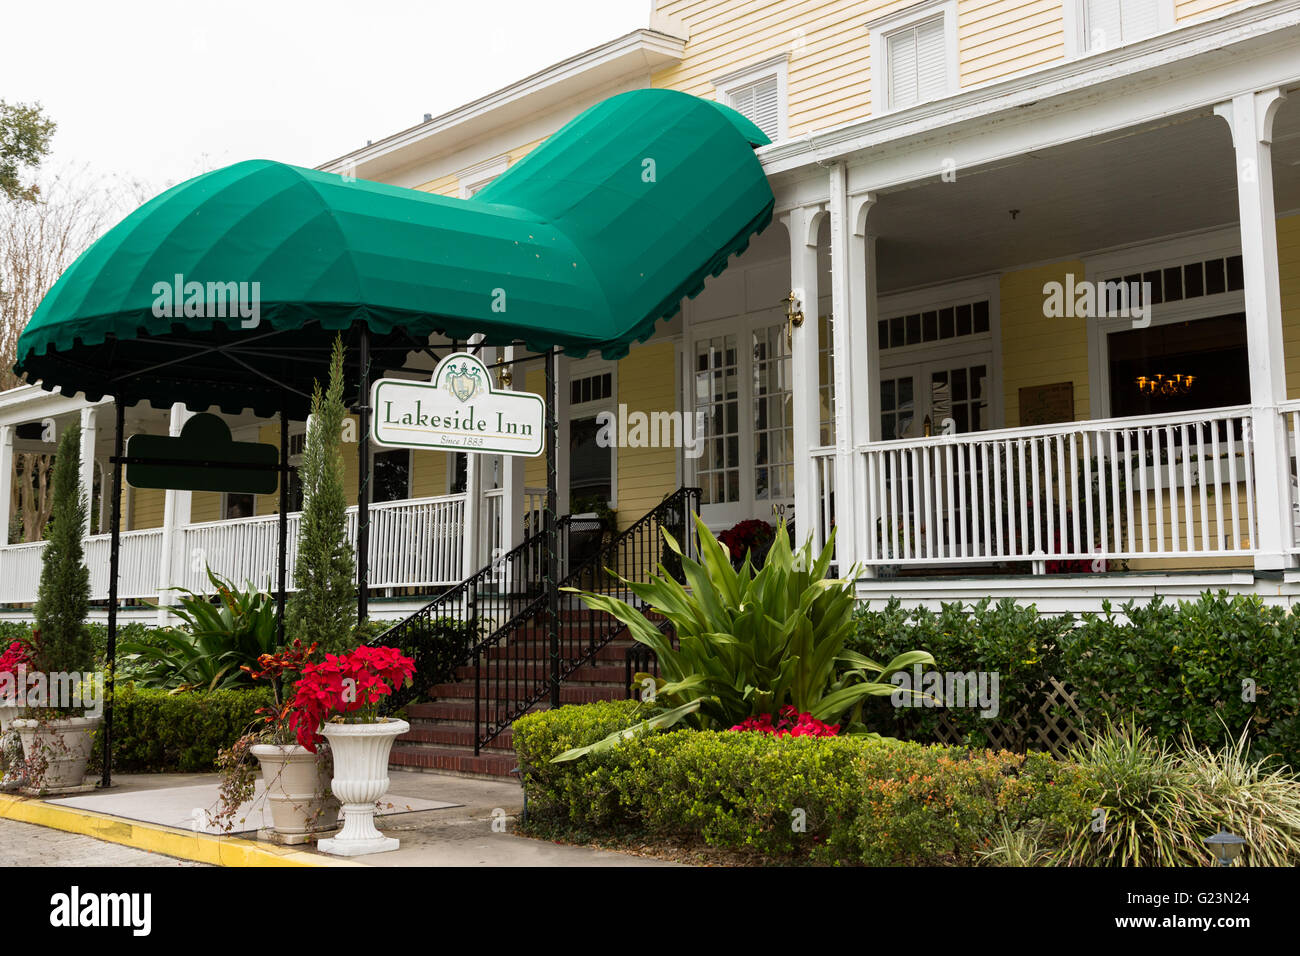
[463, 381]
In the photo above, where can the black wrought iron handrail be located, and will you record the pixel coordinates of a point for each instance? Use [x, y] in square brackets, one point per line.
[442, 634]
[508, 681]
[497, 618]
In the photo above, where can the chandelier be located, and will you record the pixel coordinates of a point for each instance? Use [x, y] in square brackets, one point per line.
[1165, 385]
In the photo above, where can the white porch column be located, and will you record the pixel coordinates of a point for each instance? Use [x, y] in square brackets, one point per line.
[803, 223]
[1250, 118]
[844, 331]
[471, 559]
[6, 479]
[852, 255]
[563, 505]
[512, 476]
[87, 471]
[176, 515]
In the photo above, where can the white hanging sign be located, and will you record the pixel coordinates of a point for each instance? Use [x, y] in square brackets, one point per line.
[459, 410]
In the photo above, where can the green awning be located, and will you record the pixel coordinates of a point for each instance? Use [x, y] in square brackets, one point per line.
[584, 244]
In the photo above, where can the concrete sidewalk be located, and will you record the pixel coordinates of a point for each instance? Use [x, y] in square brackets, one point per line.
[468, 825]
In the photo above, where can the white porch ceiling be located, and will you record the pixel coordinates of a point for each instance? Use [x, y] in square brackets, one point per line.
[1078, 198]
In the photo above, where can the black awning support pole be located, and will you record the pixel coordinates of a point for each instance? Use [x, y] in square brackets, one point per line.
[552, 538]
[282, 568]
[114, 554]
[363, 476]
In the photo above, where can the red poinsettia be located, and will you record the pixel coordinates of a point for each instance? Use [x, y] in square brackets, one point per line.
[790, 723]
[352, 683]
[18, 654]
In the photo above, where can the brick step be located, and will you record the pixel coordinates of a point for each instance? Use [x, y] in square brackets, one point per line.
[418, 757]
[570, 693]
[606, 673]
[441, 734]
[615, 653]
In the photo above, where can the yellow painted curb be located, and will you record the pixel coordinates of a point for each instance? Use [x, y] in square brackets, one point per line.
[171, 841]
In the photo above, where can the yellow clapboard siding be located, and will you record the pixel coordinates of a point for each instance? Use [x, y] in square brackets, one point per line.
[1185, 10]
[147, 505]
[1037, 350]
[1288, 255]
[205, 506]
[448, 185]
[428, 473]
[646, 383]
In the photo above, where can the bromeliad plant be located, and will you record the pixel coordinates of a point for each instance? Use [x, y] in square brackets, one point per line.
[751, 644]
[217, 645]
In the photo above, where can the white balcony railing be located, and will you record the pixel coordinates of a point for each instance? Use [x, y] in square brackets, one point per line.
[1151, 486]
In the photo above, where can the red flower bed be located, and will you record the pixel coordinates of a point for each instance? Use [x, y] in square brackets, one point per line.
[790, 723]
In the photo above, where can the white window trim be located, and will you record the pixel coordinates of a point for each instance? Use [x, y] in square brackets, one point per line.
[473, 178]
[879, 31]
[1210, 245]
[584, 368]
[940, 297]
[778, 66]
[1073, 23]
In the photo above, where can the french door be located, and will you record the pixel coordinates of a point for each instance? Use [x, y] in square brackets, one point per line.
[927, 398]
[740, 379]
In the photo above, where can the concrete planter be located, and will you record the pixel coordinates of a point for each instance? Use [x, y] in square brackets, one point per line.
[297, 791]
[63, 746]
[360, 779]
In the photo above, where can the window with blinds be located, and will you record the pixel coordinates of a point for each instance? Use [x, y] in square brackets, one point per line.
[917, 64]
[760, 103]
[1109, 23]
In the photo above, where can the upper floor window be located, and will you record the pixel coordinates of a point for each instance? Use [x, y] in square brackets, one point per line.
[915, 54]
[758, 93]
[1107, 24]
[475, 177]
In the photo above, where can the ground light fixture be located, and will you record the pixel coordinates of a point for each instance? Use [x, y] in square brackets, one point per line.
[1226, 847]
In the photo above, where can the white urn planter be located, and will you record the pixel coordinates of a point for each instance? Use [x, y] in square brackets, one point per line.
[63, 746]
[297, 791]
[360, 779]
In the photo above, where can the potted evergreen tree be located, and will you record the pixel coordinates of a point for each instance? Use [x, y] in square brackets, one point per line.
[56, 735]
[319, 613]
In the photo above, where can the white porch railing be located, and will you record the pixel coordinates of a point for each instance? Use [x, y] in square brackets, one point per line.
[1151, 486]
[1290, 412]
[415, 543]
[140, 559]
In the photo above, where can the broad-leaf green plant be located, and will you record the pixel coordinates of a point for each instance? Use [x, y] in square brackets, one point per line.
[750, 643]
[216, 638]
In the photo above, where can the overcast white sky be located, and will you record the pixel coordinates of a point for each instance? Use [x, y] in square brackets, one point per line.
[159, 90]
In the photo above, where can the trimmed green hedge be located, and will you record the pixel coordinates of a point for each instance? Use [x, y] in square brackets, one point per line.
[159, 731]
[817, 800]
[1168, 666]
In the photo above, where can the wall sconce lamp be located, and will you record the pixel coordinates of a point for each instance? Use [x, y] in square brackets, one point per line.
[504, 378]
[794, 316]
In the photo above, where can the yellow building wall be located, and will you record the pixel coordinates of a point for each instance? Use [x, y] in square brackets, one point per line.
[1185, 10]
[205, 506]
[646, 383]
[830, 65]
[1288, 259]
[448, 185]
[1037, 350]
[999, 38]
[147, 506]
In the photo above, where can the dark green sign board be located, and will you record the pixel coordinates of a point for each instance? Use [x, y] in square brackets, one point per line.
[203, 445]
